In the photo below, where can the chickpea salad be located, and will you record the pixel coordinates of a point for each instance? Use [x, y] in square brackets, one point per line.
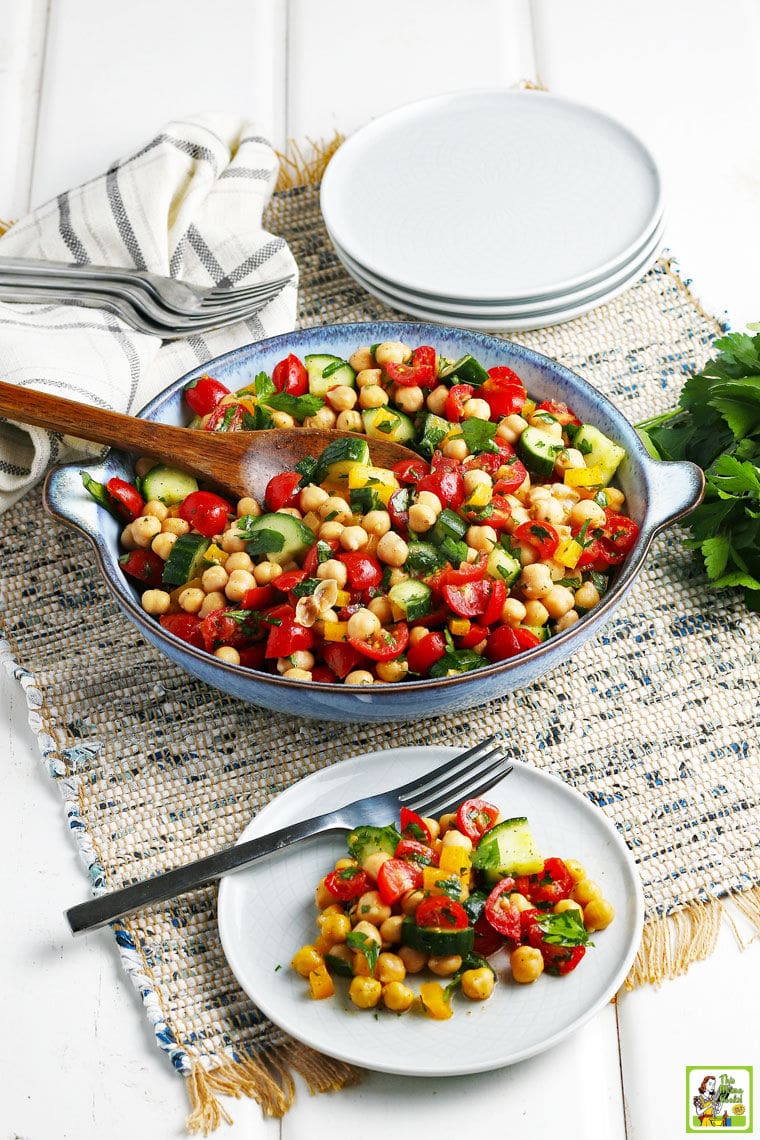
[503, 531]
[442, 897]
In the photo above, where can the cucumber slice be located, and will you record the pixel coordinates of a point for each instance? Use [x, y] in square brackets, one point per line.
[413, 598]
[338, 458]
[453, 550]
[326, 372]
[502, 565]
[432, 430]
[538, 451]
[448, 525]
[387, 423]
[281, 537]
[507, 849]
[365, 841]
[467, 370]
[599, 451]
[186, 559]
[168, 485]
[435, 941]
[424, 558]
[542, 632]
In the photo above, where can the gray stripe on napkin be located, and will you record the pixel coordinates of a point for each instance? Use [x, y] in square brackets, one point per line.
[123, 224]
[260, 174]
[255, 261]
[66, 230]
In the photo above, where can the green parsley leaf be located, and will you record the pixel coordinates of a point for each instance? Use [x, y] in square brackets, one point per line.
[479, 435]
[564, 929]
[357, 940]
[262, 385]
[299, 407]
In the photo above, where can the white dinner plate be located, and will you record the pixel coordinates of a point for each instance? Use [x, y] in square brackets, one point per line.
[266, 912]
[511, 323]
[493, 194]
[513, 309]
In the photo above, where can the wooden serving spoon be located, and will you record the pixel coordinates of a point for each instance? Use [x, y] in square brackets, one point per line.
[240, 463]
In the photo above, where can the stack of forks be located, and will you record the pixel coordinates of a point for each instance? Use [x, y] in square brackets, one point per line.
[159, 306]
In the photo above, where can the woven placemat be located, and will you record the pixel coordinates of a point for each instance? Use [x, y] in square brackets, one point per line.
[655, 720]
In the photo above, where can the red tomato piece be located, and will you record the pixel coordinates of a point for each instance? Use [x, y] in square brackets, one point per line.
[506, 642]
[218, 629]
[541, 535]
[445, 480]
[467, 572]
[288, 580]
[487, 940]
[126, 500]
[503, 375]
[560, 411]
[474, 817]
[620, 531]
[283, 491]
[474, 636]
[483, 597]
[341, 657]
[185, 626]
[204, 393]
[225, 417]
[362, 570]
[501, 913]
[143, 565]
[411, 470]
[290, 376]
[311, 559]
[501, 513]
[206, 512]
[257, 598]
[549, 885]
[420, 373]
[396, 877]
[413, 826]
[490, 461]
[252, 656]
[558, 960]
[398, 509]
[441, 912]
[506, 400]
[347, 884]
[416, 852]
[426, 652]
[386, 645]
[455, 401]
[324, 675]
[288, 637]
[512, 479]
[495, 602]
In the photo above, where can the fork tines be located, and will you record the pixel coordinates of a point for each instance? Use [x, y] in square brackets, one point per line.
[467, 776]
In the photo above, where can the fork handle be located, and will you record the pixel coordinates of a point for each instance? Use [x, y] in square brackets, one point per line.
[34, 267]
[107, 908]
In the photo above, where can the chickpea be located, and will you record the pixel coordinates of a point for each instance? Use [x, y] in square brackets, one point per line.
[615, 498]
[381, 608]
[312, 497]
[334, 508]
[371, 912]
[568, 459]
[481, 538]
[297, 674]
[191, 599]
[476, 478]
[284, 420]
[568, 619]
[144, 530]
[520, 902]
[392, 670]
[305, 960]
[342, 398]
[322, 897]
[266, 572]
[397, 997]
[239, 582]
[585, 890]
[587, 596]
[565, 905]
[157, 509]
[456, 448]
[331, 530]
[421, 518]
[214, 600]
[334, 927]
[390, 968]
[377, 523]
[354, 538]
[511, 428]
[359, 677]
[598, 914]
[576, 870]
[527, 964]
[409, 400]
[535, 581]
[374, 862]
[363, 624]
[162, 544]
[361, 358]
[558, 601]
[343, 952]
[228, 653]
[390, 930]
[455, 838]
[365, 992]
[302, 659]
[445, 966]
[536, 613]
[392, 549]
[369, 378]
[156, 602]
[430, 499]
[126, 539]
[550, 510]
[239, 561]
[247, 506]
[447, 821]
[476, 409]
[324, 418]
[349, 421]
[477, 985]
[436, 401]
[513, 612]
[432, 825]
[373, 397]
[334, 569]
[175, 527]
[231, 542]
[392, 352]
[414, 960]
[585, 510]
[410, 900]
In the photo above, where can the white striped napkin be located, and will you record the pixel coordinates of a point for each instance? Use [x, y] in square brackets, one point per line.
[188, 204]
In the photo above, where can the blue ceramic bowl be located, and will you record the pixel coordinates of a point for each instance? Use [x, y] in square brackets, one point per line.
[656, 494]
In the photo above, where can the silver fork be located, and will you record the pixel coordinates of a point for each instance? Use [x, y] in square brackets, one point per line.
[469, 774]
[179, 297]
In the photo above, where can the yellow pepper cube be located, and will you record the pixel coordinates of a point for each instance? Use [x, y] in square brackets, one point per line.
[216, 555]
[455, 860]
[343, 598]
[336, 631]
[584, 477]
[433, 997]
[382, 481]
[458, 627]
[568, 552]
[321, 983]
[479, 497]
[433, 876]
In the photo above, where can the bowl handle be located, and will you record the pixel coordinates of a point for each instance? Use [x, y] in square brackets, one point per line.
[675, 488]
[64, 498]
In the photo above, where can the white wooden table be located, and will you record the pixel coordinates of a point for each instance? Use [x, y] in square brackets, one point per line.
[81, 82]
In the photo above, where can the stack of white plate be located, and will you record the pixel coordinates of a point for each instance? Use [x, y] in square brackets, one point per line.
[495, 210]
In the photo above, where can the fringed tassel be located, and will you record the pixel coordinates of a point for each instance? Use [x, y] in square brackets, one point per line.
[748, 903]
[670, 945]
[299, 169]
[322, 1074]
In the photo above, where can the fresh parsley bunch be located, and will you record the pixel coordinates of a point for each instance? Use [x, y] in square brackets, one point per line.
[717, 426]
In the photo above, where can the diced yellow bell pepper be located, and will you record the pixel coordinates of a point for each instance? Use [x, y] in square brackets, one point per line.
[479, 497]
[216, 555]
[455, 860]
[458, 627]
[343, 598]
[399, 614]
[378, 478]
[336, 631]
[528, 409]
[432, 876]
[321, 983]
[433, 997]
[584, 477]
[568, 552]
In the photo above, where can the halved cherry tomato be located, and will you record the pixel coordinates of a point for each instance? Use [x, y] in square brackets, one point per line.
[467, 572]
[560, 411]
[553, 883]
[288, 637]
[252, 656]
[288, 580]
[206, 512]
[445, 480]
[540, 535]
[283, 491]
[311, 559]
[217, 629]
[506, 642]
[396, 877]
[455, 401]
[496, 602]
[340, 657]
[474, 636]
[500, 912]
[143, 565]
[490, 461]
[225, 417]
[398, 508]
[257, 598]
[413, 826]
[501, 374]
[512, 479]
[185, 626]
[487, 940]
[362, 570]
[441, 912]
[204, 393]
[387, 645]
[420, 373]
[474, 817]
[620, 532]
[347, 884]
[484, 597]
[411, 470]
[426, 652]
[558, 960]
[501, 512]
[290, 376]
[324, 674]
[126, 500]
[416, 852]
[504, 392]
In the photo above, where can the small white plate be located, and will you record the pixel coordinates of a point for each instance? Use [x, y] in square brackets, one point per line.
[267, 911]
[489, 195]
